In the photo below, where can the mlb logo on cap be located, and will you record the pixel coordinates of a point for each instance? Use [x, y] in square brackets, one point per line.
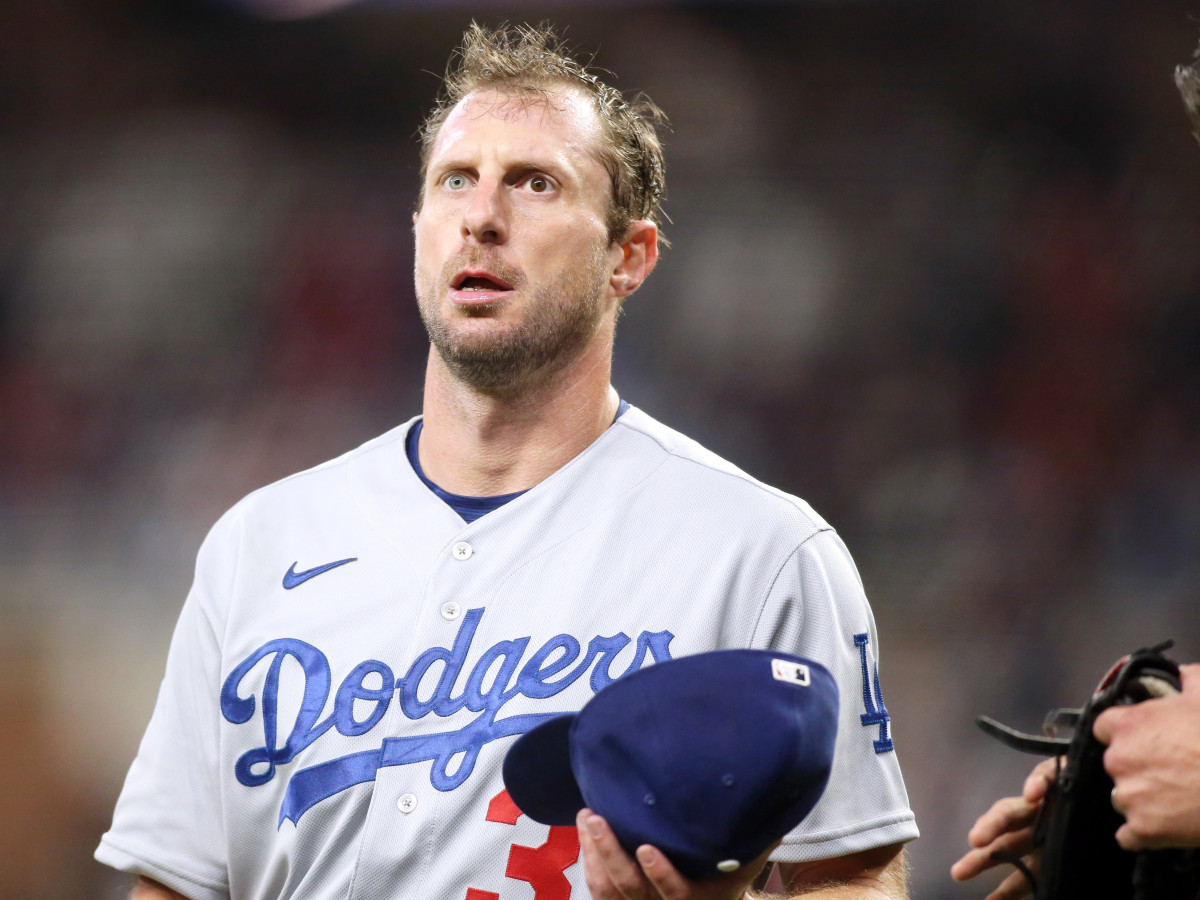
[711, 757]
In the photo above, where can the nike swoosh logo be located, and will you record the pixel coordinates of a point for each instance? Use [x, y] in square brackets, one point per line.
[292, 578]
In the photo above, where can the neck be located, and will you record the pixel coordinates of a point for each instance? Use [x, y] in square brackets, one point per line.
[484, 444]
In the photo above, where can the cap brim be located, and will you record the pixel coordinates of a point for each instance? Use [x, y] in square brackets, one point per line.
[537, 773]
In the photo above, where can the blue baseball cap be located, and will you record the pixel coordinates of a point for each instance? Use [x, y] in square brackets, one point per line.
[711, 758]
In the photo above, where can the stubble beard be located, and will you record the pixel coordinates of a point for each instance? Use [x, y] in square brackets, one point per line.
[559, 320]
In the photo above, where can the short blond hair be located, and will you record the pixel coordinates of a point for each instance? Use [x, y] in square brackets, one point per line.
[527, 60]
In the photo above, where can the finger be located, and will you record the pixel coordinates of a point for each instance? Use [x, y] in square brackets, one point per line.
[971, 864]
[1135, 834]
[1006, 814]
[671, 885]
[663, 877]
[1015, 886]
[614, 869]
[1106, 724]
[1128, 838]
[1190, 676]
[980, 859]
[1039, 780]
[600, 886]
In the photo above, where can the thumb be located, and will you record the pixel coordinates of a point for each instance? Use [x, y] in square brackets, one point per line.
[1190, 675]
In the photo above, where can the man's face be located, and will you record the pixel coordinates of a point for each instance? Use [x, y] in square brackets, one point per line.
[513, 260]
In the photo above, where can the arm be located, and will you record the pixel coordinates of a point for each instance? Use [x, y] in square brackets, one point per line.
[880, 873]
[146, 889]
[1153, 761]
[614, 875]
[168, 817]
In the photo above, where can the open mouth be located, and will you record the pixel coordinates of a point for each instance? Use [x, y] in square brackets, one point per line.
[478, 281]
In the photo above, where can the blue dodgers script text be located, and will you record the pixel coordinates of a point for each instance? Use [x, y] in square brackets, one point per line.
[502, 666]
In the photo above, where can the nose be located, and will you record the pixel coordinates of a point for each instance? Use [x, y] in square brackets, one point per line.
[486, 216]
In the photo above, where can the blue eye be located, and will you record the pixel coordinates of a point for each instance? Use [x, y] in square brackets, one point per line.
[456, 182]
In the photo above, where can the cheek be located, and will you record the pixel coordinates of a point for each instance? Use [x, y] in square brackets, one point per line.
[434, 223]
[425, 268]
[426, 247]
[569, 242]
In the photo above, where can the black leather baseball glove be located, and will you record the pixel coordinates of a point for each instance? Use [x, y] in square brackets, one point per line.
[1076, 825]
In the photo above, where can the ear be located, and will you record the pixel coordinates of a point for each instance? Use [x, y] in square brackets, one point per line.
[639, 253]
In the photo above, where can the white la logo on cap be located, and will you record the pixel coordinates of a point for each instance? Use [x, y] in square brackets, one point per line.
[791, 672]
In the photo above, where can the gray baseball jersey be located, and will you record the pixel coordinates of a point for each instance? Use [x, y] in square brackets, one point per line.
[353, 661]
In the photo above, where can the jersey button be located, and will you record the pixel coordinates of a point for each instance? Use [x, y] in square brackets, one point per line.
[407, 803]
[462, 551]
[451, 611]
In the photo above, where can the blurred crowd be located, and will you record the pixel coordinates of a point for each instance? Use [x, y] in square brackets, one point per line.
[935, 267]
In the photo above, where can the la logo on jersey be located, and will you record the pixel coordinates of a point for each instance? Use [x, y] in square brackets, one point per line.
[366, 692]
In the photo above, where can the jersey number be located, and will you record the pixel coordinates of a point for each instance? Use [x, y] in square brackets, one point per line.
[876, 713]
[543, 866]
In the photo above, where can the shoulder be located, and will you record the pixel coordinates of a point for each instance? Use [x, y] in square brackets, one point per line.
[327, 485]
[712, 484]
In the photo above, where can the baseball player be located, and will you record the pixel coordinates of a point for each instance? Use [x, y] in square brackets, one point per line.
[364, 640]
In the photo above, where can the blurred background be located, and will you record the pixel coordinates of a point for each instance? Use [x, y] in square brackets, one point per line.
[936, 268]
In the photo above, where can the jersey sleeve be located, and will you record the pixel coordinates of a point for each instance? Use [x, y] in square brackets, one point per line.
[168, 823]
[816, 608]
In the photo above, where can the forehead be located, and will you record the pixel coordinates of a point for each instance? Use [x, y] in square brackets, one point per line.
[560, 121]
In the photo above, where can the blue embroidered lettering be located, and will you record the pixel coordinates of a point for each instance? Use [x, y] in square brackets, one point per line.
[364, 696]
[452, 661]
[304, 731]
[535, 675]
[509, 654]
[604, 650]
[354, 688]
[657, 644]
[875, 714]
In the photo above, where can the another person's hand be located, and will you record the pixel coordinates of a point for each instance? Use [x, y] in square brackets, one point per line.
[612, 874]
[1007, 828]
[1154, 760]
